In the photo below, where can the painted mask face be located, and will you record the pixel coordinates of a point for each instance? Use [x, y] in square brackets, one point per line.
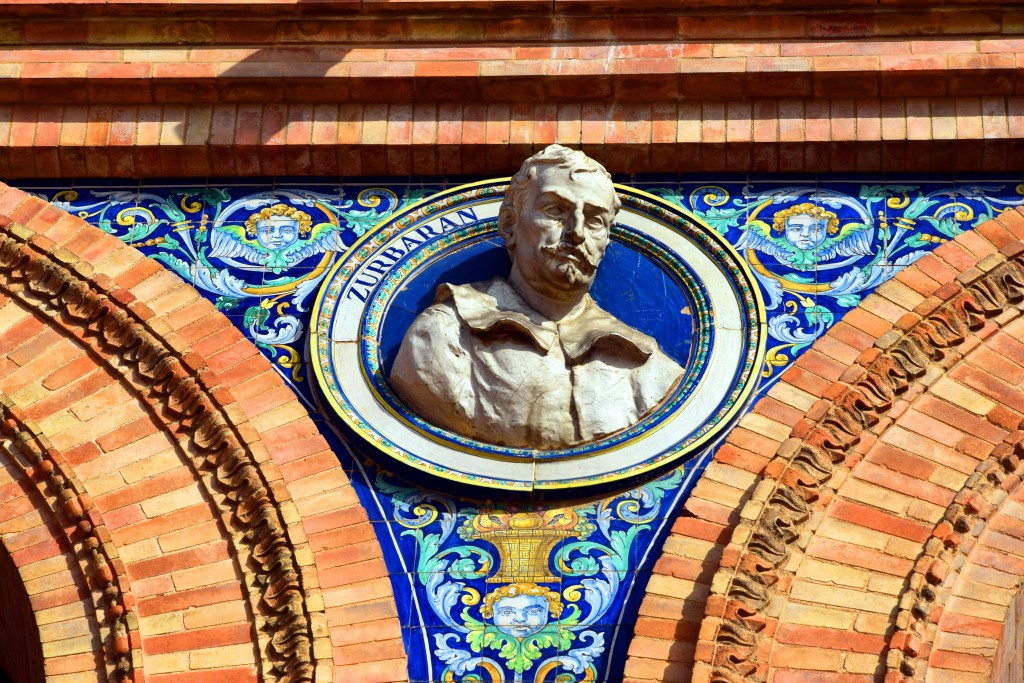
[563, 230]
[277, 233]
[521, 615]
[805, 232]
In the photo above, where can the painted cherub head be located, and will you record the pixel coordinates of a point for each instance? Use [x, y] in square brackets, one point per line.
[521, 609]
[278, 227]
[806, 225]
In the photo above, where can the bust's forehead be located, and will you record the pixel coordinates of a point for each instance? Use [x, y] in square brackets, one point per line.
[593, 187]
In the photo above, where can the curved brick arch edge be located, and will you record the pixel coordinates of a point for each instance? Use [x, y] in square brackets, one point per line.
[85, 532]
[798, 481]
[892, 356]
[58, 280]
[110, 318]
[945, 556]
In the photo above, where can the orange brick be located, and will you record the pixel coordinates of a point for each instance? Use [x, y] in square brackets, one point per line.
[127, 434]
[192, 598]
[878, 520]
[200, 638]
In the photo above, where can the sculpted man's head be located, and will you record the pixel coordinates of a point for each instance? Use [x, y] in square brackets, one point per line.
[532, 361]
[556, 221]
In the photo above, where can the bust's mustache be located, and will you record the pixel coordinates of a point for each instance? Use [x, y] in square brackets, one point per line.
[579, 258]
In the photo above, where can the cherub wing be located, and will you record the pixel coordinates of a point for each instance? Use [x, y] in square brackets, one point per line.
[757, 235]
[854, 239]
[225, 242]
[325, 237]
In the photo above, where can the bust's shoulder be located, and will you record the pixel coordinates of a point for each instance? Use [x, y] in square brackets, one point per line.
[439, 317]
[483, 293]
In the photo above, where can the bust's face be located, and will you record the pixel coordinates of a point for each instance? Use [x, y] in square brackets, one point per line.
[563, 230]
[521, 615]
[277, 232]
[805, 232]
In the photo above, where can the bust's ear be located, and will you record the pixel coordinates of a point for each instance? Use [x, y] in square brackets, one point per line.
[506, 220]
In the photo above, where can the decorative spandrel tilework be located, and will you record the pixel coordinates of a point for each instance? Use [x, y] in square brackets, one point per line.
[818, 247]
[543, 592]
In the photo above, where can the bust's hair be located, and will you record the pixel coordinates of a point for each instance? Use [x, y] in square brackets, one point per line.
[813, 210]
[552, 156]
[513, 589]
[301, 217]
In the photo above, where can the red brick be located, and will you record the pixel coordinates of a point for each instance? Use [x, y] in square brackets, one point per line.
[971, 625]
[858, 556]
[351, 554]
[989, 385]
[58, 597]
[194, 598]
[338, 537]
[134, 527]
[958, 661]
[127, 434]
[832, 638]
[233, 675]
[901, 483]
[879, 520]
[162, 483]
[39, 551]
[199, 638]
[900, 461]
[19, 334]
[185, 559]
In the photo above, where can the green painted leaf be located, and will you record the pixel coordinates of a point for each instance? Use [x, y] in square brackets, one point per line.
[226, 303]
[255, 316]
[814, 314]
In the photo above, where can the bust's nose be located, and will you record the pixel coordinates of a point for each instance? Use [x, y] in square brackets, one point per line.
[574, 223]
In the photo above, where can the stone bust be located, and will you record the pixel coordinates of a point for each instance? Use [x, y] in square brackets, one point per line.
[532, 361]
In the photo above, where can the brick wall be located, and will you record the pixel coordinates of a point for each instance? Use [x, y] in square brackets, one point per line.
[395, 88]
[187, 523]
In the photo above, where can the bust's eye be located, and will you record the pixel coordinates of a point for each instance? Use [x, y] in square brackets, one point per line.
[595, 223]
[552, 211]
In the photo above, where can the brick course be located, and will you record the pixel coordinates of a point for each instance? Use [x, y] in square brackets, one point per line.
[365, 90]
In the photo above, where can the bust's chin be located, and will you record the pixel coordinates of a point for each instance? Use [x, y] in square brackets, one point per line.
[566, 283]
[574, 275]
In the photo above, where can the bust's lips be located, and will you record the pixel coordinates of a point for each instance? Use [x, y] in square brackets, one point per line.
[574, 256]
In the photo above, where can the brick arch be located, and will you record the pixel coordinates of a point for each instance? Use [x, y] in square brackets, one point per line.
[745, 589]
[266, 542]
[80, 596]
[954, 608]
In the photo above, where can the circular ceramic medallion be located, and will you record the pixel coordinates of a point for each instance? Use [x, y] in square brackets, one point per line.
[664, 274]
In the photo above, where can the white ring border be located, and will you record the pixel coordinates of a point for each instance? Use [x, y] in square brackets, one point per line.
[726, 358]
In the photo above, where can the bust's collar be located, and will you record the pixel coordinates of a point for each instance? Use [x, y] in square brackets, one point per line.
[493, 305]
